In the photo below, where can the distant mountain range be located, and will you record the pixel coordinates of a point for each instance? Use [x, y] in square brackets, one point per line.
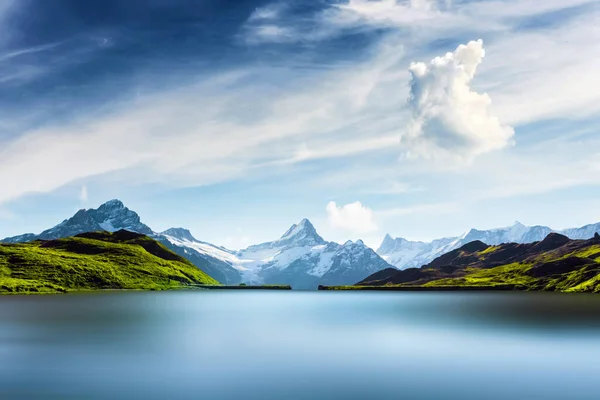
[300, 258]
[402, 253]
[555, 263]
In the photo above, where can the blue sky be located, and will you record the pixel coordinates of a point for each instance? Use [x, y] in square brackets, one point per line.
[236, 119]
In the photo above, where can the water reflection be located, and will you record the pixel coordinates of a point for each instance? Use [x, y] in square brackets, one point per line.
[299, 345]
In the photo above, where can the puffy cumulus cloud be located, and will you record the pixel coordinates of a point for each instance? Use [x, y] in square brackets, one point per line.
[449, 119]
[353, 217]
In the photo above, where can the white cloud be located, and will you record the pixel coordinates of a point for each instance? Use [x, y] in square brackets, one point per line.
[268, 12]
[545, 74]
[335, 110]
[83, 194]
[532, 74]
[162, 139]
[448, 117]
[383, 12]
[353, 217]
[500, 9]
[271, 33]
[429, 16]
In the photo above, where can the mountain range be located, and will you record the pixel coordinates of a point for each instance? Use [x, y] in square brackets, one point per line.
[402, 253]
[300, 257]
[555, 263]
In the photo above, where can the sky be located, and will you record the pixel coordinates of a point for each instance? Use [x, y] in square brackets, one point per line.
[235, 119]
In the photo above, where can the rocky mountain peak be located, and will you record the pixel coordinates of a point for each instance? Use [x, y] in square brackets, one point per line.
[111, 205]
[180, 233]
[387, 245]
[110, 216]
[303, 227]
[301, 234]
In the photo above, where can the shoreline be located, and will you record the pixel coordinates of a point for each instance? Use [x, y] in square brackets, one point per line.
[188, 288]
[246, 287]
[495, 288]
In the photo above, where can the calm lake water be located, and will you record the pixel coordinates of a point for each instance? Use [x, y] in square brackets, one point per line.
[300, 345]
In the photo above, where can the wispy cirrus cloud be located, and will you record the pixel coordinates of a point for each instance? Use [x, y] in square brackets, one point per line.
[325, 107]
[224, 142]
[529, 44]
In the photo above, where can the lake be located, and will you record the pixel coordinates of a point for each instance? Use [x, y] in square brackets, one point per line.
[300, 345]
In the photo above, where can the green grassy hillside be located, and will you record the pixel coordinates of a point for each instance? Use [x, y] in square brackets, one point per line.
[554, 264]
[93, 261]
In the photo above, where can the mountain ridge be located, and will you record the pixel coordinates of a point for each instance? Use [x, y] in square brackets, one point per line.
[556, 263]
[300, 257]
[403, 253]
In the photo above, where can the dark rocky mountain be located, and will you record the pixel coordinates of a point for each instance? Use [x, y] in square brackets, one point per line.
[110, 216]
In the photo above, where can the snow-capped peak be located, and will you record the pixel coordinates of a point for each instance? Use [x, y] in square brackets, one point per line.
[180, 233]
[301, 234]
[303, 226]
[388, 244]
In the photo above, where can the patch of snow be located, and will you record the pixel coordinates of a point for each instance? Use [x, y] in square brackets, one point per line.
[324, 265]
[206, 249]
[107, 226]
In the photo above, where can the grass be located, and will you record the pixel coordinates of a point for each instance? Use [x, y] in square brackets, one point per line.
[510, 274]
[592, 252]
[489, 250]
[94, 261]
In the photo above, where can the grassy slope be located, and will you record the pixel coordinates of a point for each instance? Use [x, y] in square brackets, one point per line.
[536, 273]
[100, 260]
